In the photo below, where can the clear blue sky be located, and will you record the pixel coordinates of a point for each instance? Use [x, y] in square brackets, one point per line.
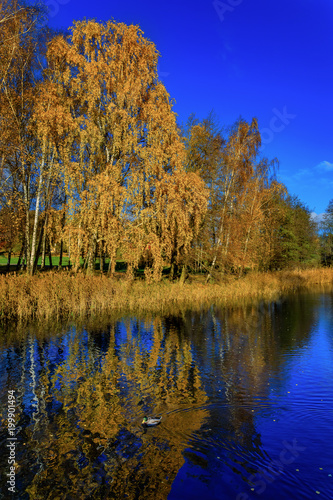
[272, 59]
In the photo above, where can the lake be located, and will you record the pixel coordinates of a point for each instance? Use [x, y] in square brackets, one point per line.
[245, 395]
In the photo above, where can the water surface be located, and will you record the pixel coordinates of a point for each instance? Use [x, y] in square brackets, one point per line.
[246, 398]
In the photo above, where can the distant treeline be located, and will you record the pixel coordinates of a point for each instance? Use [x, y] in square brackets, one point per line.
[94, 164]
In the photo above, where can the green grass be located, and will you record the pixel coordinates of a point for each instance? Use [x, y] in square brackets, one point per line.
[14, 260]
[3, 260]
[121, 265]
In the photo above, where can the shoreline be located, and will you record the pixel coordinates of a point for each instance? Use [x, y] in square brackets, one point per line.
[64, 296]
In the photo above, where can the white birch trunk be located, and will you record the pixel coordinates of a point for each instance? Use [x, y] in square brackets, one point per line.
[38, 197]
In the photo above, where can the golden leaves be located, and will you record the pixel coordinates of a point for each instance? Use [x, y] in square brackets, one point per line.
[109, 155]
[122, 152]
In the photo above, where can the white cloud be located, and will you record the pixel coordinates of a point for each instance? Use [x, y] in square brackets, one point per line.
[317, 217]
[301, 173]
[325, 166]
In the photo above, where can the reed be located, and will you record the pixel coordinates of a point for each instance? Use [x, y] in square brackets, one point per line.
[63, 295]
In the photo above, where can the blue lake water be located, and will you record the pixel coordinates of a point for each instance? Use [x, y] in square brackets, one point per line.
[245, 394]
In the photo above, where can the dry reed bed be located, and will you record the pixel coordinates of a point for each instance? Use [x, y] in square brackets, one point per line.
[62, 295]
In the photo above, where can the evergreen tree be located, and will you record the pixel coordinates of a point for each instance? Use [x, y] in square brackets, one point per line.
[327, 235]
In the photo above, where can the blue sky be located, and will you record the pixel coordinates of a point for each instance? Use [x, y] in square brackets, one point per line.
[252, 58]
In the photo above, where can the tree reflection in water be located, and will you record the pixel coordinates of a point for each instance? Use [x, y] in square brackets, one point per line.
[83, 393]
[83, 403]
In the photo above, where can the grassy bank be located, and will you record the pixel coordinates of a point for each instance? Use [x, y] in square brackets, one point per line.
[62, 295]
[65, 295]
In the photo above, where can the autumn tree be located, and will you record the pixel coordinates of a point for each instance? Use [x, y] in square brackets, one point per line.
[242, 187]
[271, 216]
[204, 144]
[227, 166]
[119, 139]
[253, 216]
[91, 157]
[24, 155]
[171, 222]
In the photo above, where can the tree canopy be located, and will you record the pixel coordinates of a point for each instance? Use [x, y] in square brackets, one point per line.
[93, 162]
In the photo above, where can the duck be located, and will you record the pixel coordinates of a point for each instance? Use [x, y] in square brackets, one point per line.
[150, 422]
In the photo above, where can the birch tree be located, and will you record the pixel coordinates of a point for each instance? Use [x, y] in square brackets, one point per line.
[23, 157]
[120, 138]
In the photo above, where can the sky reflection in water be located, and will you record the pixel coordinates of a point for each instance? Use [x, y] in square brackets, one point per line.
[246, 398]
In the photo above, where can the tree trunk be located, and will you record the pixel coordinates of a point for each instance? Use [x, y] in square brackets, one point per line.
[172, 271]
[34, 232]
[112, 265]
[60, 257]
[69, 248]
[20, 256]
[174, 266]
[90, 261]
[50, 256]
[183, 275]
[27, 226]
[101, 260]
[221, 228]
[8, 260]
[24, 259]
[38, 250]
[92, 255]
[248, 233]
[44, 244]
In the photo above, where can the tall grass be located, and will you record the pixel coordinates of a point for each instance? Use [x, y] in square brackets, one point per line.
[63, 295]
